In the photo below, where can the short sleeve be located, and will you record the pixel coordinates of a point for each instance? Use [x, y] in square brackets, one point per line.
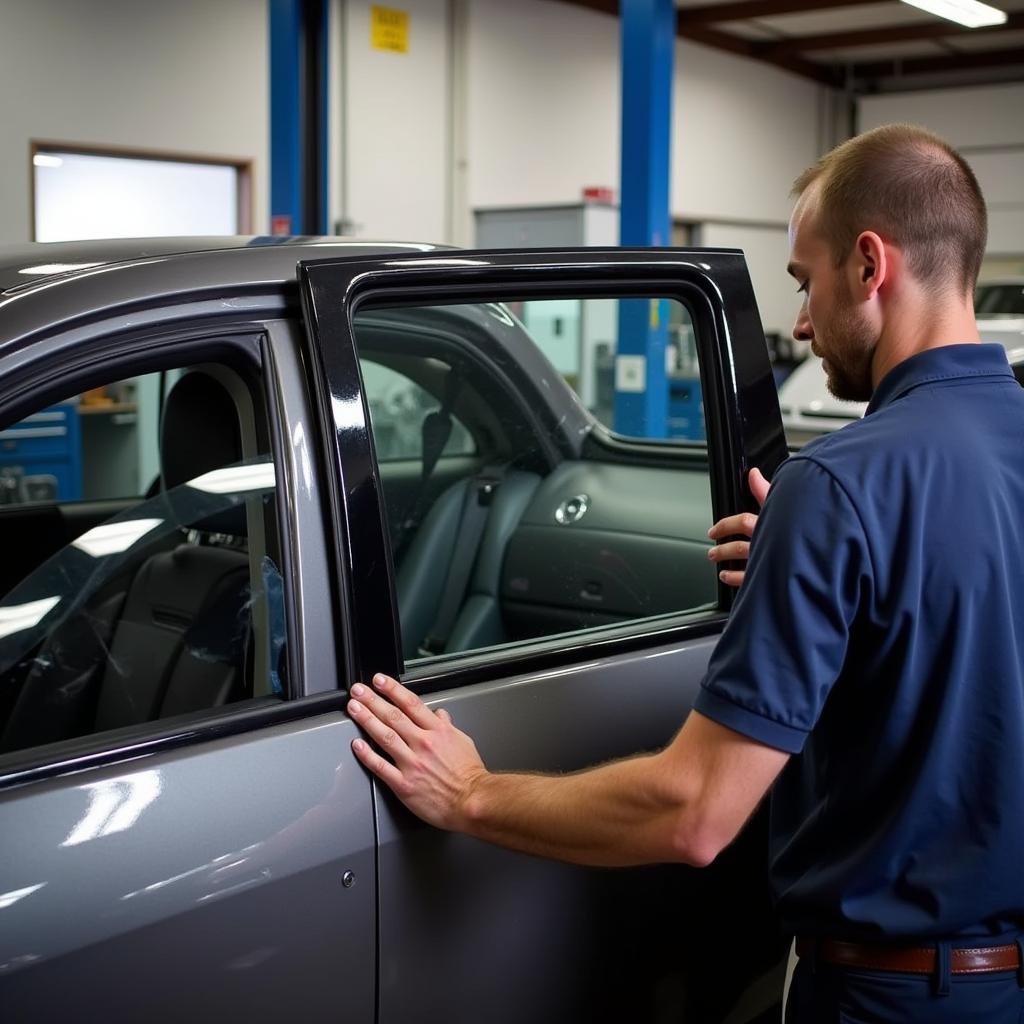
[786, 640]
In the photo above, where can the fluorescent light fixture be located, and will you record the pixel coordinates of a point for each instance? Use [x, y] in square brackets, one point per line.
[969, 13]
[236, 479]
[113, 538]
[46, 269]
[47, 160]
[24, 616]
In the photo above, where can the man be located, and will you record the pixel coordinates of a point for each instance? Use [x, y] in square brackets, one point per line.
[876, 635]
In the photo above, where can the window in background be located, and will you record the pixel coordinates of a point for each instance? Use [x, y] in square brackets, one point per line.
[84, 195]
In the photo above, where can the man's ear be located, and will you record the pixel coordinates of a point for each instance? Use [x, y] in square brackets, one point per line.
[870, 264]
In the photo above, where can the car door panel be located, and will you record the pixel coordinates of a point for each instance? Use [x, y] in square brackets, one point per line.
[202, 882]
[511, 937]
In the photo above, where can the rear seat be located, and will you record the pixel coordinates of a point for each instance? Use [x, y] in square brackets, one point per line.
[423, 576]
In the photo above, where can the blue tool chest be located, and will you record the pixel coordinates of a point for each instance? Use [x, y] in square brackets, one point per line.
[41, 457]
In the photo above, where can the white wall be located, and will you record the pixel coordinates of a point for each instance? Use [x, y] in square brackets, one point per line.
[767, 252]
[543, 111]
[188, 76]
[496, 103]
[542, 94]
[987, 124]
[395, 126]
[742, 133]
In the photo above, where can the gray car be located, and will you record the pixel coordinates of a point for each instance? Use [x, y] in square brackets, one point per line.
[237, 476]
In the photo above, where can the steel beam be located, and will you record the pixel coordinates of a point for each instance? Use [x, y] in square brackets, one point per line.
[648, 48]
[298, 116]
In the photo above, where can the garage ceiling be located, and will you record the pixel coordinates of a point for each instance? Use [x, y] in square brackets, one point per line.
[861, 47]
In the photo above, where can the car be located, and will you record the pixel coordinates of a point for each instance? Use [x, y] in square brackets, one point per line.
[809, 409]
[999, 300]
[240, 475]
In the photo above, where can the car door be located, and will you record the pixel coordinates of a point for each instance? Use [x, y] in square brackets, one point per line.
[209, 855]
[586, 658]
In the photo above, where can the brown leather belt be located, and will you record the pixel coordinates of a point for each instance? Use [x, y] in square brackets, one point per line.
[910, 959]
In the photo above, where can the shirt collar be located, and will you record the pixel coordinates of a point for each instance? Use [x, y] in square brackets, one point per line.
[939, 364]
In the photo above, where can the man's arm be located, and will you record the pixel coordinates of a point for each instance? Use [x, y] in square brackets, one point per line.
[685, 803]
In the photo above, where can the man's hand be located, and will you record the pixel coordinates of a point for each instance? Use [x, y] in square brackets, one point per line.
[435, 766]
[743, 525]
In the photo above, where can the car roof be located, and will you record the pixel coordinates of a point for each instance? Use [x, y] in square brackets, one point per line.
[46, 286]
[34, 264]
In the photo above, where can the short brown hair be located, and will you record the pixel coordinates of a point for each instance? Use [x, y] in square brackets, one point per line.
[912, 188]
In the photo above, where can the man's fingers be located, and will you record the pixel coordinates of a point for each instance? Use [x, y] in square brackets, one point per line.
[734, 550]
[731, 577]
[444, 715]
[758, 485]
[742, 524]
[404, 698]
[387, 734]
[379, 766]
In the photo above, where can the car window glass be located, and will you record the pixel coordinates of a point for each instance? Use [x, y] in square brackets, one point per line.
[95, 446]
[398, 406]
[581, 338]
[532, 532]
[171, 605]
[999, 300]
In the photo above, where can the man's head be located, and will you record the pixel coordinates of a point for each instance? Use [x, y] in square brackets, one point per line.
[894, 209]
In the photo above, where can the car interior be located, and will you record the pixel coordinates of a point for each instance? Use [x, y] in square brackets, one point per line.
[512, 540]
[174, 605]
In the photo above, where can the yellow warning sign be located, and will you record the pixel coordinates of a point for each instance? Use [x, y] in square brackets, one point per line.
[389, 29]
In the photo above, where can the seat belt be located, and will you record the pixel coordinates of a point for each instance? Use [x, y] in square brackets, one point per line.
[434, 434]
[475, 508]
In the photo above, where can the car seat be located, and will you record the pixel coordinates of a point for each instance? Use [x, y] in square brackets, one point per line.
[424, 575]
[173, 637]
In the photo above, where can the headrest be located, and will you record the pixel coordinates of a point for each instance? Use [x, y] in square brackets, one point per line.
[200, 433]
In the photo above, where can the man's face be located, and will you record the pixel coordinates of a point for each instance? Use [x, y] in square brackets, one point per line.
[829, 318]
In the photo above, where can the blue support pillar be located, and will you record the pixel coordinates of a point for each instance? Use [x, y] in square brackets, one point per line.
[298, 116]
[648, 45]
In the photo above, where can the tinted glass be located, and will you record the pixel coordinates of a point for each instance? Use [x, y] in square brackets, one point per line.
[999, 300]
[174, 604]
[529, 534]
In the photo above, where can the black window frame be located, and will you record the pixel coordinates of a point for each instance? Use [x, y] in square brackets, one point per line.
[740, 402]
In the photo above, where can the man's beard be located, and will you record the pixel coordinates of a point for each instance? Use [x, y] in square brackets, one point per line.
[848, 349]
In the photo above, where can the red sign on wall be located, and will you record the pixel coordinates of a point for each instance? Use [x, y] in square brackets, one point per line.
[281, 224]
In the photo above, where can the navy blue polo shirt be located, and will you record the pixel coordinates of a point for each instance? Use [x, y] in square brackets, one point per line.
[879, 635]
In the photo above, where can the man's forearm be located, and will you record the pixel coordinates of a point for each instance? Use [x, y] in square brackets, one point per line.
[623, 813]
[684, 803]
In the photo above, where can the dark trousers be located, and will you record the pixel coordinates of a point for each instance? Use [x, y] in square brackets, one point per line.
[823, 994]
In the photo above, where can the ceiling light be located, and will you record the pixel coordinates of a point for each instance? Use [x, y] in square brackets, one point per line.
[970, 13]
[45, 160]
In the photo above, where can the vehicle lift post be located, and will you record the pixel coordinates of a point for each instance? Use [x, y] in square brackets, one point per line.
[648, 47]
